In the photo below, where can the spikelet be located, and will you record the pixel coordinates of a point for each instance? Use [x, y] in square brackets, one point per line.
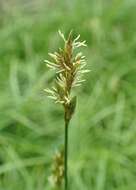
[56, 178]
[69, 69]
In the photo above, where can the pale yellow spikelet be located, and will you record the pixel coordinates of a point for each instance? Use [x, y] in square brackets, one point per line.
[69, 68]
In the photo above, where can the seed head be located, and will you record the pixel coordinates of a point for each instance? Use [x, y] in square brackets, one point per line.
[69, 68]
[57, 175]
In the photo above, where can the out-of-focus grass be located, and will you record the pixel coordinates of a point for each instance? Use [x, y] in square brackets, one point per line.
[102, 153]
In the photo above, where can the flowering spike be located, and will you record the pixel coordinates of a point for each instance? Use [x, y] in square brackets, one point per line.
[69, 69]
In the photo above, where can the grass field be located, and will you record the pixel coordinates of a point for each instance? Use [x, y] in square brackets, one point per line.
[102, 149]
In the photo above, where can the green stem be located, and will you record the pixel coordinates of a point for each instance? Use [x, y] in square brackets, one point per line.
[66, 155]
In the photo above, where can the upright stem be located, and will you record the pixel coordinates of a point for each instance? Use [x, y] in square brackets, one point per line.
[66, 155]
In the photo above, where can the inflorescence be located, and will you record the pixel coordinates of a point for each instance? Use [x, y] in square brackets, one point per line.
[69, 68]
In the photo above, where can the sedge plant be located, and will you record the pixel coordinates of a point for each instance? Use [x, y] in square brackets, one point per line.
[69, 66]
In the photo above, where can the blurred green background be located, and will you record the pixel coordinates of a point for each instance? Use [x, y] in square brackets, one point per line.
[102, 136]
